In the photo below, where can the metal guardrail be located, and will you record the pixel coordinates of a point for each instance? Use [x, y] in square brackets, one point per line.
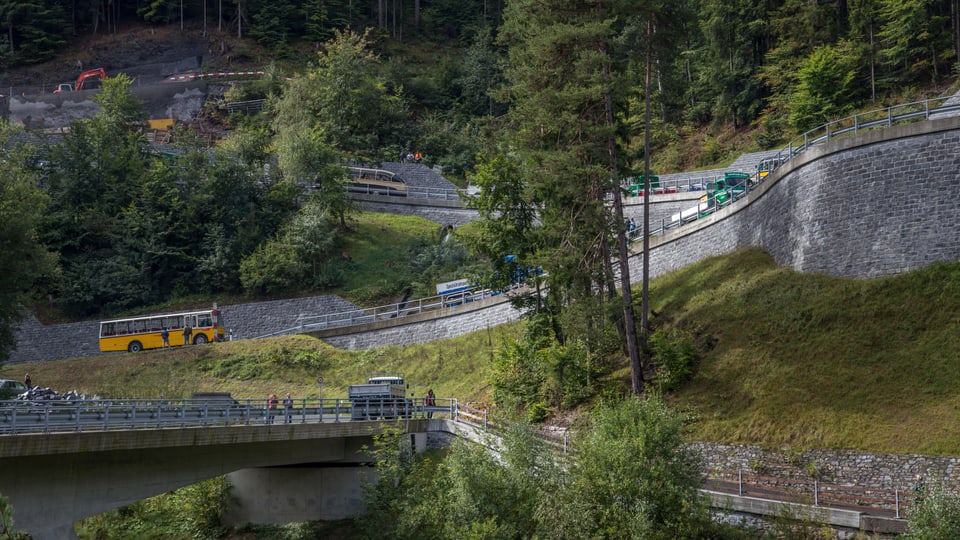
[890, 501]
[24, 417]
[412, 192]
[878, 119]
[677, 185]
[251, 106]
[307, 323]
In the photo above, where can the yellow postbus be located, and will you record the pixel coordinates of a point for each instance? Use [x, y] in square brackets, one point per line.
[138, 333]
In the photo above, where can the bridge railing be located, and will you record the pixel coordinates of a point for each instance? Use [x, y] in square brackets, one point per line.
[23, 417]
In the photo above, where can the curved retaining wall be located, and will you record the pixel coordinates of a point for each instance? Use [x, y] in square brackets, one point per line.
[878, 203]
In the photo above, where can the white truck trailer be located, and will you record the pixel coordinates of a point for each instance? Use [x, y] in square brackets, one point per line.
[381, 397]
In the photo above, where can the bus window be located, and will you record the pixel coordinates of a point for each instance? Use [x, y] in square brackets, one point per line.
[108, 329]
[204, 321]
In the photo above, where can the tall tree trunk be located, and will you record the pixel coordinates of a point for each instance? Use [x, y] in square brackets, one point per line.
[873, 66]
[645, 298]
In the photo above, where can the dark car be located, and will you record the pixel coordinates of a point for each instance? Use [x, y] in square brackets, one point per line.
[10, 389]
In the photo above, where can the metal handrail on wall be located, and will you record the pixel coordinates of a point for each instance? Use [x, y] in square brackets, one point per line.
[308, 323]
[742, 483]
[852, 125]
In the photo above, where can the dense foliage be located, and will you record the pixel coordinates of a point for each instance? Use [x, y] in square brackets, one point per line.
[549, 93]
[25, 263]
[629, 477]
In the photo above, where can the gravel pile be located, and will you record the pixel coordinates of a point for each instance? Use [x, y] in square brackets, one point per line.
[37, 394]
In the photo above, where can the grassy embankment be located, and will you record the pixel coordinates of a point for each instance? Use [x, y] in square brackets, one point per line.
[799, 360]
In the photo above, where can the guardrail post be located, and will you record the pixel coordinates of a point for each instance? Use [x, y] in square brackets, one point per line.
[816, 493]
[896, 500]
[740, 482]
[484, 419]
[889, 117]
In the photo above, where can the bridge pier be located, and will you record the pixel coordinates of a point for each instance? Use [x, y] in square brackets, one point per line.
[301, 492]
[277, 495]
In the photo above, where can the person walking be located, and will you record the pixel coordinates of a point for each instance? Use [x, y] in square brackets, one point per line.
[288, 408]
[187, 332]
[27, 382]
[165, 336]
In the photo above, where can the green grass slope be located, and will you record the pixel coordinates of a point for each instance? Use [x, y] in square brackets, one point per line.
[813, 361]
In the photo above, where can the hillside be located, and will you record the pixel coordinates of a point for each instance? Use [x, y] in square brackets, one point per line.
[796, 360]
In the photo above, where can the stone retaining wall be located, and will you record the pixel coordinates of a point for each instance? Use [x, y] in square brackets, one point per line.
[866, 471]
[880, 203]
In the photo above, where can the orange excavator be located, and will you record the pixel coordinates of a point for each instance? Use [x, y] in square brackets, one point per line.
[85, 81]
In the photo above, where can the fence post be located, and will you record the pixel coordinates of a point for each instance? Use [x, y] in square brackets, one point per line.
[485, 420]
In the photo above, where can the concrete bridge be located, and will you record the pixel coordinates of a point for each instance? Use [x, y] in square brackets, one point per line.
[279, 472]
[310, 468]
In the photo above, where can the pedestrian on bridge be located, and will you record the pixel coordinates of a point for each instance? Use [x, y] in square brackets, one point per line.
[288, 408]
[431, 397]
[271, 407]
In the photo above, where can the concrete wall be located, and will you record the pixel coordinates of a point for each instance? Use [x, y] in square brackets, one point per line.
[179, 100]
[294, 494]
[37, 342]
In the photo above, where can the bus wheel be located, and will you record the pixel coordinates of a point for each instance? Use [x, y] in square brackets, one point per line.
[135, 346]
[200, 339]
